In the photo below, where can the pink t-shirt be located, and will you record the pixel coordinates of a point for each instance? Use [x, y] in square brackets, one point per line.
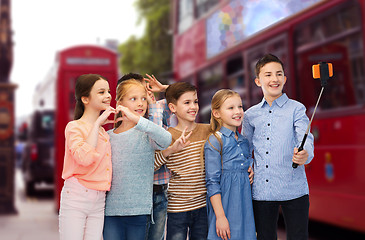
[91, 166]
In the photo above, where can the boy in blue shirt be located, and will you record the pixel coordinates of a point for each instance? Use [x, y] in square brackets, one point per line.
[275, 128]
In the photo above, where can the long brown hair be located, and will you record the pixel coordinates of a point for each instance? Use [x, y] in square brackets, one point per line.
[216, 123]
[122, 89]
[83, 86]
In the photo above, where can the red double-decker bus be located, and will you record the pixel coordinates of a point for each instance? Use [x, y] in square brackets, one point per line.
[56, 94]
[218, 42]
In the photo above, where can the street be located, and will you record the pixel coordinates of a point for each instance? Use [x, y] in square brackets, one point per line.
[38, 220]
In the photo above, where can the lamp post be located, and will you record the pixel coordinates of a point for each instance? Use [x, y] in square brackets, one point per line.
[7, 156]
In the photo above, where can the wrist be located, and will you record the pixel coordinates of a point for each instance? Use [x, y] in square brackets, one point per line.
[220, 216]
[167, 152]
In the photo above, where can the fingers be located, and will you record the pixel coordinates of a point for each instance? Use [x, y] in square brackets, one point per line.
[251, 173]
[183, 134]
[185, 138]
[300, 157]
[151, 78]
[224, 234]
[295, 150]
[188, 136]
[229, 233]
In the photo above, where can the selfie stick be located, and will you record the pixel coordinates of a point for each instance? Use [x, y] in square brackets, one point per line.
[324, 72]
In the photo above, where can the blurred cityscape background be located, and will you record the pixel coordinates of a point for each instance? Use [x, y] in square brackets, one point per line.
[213, 44]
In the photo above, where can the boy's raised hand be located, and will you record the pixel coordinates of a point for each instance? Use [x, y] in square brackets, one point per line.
[300, 157]
[154, 85]
[179, 144]
[150, 97]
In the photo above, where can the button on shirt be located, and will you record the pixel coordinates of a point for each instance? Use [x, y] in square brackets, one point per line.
[273, 132]
[235, 157]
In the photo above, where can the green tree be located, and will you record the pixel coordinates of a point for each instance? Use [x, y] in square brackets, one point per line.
[152, 53]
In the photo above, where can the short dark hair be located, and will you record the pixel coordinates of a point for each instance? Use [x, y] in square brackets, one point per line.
[175, 90]
[128, 76]
[267, 58]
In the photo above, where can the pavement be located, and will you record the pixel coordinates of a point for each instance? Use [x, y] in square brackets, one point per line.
[36, 218]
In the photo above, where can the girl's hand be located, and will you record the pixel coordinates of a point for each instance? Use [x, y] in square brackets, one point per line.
[250, 175]
[127, 114]
[222, 228]
[103, 118]
[300, 157]
[154, 85]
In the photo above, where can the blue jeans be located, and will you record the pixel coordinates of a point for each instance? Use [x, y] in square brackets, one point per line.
[195, 221]
[157, 231]
[125, 227]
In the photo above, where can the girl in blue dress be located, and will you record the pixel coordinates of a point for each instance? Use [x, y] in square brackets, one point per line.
[227, 166]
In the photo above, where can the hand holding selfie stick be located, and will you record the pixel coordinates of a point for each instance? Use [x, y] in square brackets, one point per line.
[324, 72]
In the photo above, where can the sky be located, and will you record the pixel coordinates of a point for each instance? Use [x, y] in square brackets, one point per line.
[43, 27]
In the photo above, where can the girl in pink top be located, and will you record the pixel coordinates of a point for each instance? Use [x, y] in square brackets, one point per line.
[87, 168]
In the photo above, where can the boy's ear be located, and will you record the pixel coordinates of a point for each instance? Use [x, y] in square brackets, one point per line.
[215, 113]
[172, 107]
[257, 81]
[85, 100]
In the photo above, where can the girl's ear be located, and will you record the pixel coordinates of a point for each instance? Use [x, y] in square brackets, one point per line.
[85, 100]
[216, 113]
[172, 107]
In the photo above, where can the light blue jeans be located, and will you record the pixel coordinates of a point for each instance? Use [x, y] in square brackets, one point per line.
[157, 230]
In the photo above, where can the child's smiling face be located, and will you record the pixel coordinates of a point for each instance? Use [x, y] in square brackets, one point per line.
[99, 97]
[135, 100]
[186, 107]
[231, 112]
[271, 79]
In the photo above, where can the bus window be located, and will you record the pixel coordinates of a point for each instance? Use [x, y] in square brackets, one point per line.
[186, 14]
[342, 46]
[236, 77]
[203, 6]
[209, 81]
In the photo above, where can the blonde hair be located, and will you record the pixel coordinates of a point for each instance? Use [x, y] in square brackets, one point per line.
[122, 90]
[216, 123]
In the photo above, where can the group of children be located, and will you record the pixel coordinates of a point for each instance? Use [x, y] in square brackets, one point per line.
[116, 181]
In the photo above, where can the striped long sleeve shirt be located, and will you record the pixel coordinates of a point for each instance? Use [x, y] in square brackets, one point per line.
[186, 189]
